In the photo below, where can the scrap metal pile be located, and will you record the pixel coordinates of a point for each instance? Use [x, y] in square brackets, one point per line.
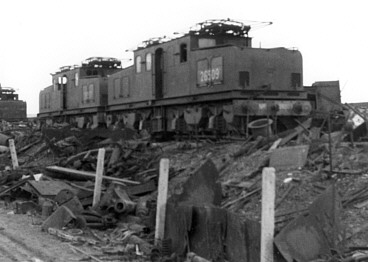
[213, 208]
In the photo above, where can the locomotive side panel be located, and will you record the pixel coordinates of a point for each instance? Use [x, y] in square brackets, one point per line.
[92, 92]
[64, 84]
[50, 100]
[161, 71]
[231, 68]
[272, 69]
[212, 70]
[72, 92]
[126, 86]
[141, 76]
[121, 87]
[178, 76]
[44, 100]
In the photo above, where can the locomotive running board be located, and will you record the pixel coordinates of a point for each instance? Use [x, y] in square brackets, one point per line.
[216, 96]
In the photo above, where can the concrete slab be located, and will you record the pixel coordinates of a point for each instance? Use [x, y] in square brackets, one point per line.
[288, 158]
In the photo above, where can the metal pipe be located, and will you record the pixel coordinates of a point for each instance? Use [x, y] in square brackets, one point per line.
[124, 206]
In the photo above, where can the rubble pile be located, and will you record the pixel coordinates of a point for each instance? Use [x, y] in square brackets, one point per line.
[213, 204]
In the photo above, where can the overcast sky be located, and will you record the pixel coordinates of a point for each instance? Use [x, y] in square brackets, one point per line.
[39, 36]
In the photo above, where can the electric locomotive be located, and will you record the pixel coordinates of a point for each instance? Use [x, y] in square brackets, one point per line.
[11, 108]
[210, 79]
[78, 93]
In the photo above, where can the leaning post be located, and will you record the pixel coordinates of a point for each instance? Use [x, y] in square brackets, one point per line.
[13, 154]
[161, 200]
[268, 214]
[99, 174]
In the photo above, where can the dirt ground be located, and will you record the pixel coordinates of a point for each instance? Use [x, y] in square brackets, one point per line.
[21, 239]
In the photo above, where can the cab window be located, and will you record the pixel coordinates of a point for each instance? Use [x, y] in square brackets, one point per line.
[138, 64]
[183, 53]
[148, 62]
[116, 87]
[76, 79]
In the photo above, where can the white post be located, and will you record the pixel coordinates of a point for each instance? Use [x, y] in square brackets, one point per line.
[161, 200]
[268, 214]
[13, 154]
[98, 179]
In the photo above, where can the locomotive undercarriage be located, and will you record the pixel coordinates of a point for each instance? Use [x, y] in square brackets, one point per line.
[210, 116]
[223, 118]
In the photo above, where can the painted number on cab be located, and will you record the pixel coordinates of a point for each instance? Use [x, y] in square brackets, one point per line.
[209, 71]
[209, 75]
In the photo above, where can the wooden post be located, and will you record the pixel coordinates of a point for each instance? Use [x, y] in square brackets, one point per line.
[13, 154]
[161, 200]
[98, 179]
[268, 214]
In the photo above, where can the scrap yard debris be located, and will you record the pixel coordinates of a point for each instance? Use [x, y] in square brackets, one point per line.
[119, 207]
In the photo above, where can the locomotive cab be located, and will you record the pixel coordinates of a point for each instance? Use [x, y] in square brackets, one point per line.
[79, 92]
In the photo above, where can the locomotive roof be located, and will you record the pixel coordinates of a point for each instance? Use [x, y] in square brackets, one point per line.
[109, 62]
[213, 27]
[7, 94]
[105, 62]
[220, 28]
[6, 90]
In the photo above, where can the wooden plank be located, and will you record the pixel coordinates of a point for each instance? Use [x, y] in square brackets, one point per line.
[299, 129]
[16, 185]
[161, 200]
[275, 145]
[13, 154]
[86, 174]
[268, 214]
[99, 174]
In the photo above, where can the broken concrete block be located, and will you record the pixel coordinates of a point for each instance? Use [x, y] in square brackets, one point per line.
[202, 188]
[312, 236]
[326, 209]
[243, 239]
[64, 196]
[207, 233]
[194, 222]
[60, 218]
[74, 205]
[213, 233]
[288, 158]
[177, 226]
